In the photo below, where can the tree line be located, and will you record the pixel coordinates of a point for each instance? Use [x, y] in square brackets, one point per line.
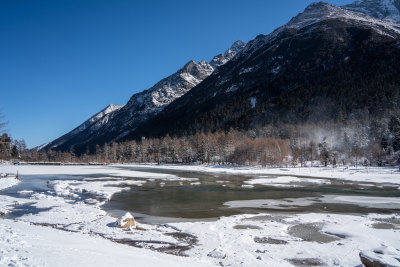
[362, 142]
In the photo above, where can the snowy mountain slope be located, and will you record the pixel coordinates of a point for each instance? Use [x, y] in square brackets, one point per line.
[382, 9]
[318, 12]
[115, 122]
[221, 59]
[97, 120]
[91, 125]
[325, 62]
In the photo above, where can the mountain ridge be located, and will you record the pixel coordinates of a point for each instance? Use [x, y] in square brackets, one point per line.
[120, 121]
[283, 77]
[382, 9]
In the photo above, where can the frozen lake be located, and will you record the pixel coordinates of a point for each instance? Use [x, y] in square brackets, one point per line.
[190, 195]
[211, 194]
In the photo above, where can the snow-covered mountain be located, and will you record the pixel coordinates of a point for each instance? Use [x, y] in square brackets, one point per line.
[326, 64]
[114, 122]
[316, 13]
[382, 9]
[89, 126]
[318, 66]
[97, 120]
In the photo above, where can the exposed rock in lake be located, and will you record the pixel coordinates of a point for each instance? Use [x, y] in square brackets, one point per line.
[269, 240]
[380, 257]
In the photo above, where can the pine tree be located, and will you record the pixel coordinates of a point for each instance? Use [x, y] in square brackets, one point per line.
[324, 153]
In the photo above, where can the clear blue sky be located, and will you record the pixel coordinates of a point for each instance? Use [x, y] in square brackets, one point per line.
[61, 61]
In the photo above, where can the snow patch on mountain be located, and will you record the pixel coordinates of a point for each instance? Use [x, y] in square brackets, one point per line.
[101, 118]
[381, 9]
[42, 146]
[317, 12]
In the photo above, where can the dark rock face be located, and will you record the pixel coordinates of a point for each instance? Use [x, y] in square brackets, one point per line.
[370, 262]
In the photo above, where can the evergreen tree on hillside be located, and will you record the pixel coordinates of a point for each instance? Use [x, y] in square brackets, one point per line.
[5, 148]
[324, 152]
[394, 128]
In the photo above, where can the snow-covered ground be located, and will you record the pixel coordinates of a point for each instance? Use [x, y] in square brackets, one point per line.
[66, 225]
[8, 182]
[273, 240]
[24, 244]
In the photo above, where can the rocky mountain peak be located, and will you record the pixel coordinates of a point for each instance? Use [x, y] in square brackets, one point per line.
[198, 70]
[221, 59]
[111, 108]
[321, 11]
[382, 9]
[189, 65]
[236, 47]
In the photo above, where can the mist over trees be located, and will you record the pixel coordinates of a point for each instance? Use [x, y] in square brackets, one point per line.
[368, 142]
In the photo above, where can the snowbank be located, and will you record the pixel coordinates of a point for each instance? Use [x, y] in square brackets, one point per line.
[101, 190]
[289, 203]
[7, 203]
[284, 181]
[6, 182]
[85, 170]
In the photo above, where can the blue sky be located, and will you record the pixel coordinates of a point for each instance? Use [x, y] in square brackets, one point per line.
[62, 61]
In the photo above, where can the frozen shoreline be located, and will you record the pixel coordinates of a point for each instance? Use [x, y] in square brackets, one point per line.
[6, 182]
[360, 174]
[72, 207]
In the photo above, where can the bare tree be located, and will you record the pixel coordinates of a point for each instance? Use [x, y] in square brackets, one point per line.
[3, 123]
[356, 153]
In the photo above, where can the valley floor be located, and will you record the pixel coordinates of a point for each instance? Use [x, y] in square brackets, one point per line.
[53, 217]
